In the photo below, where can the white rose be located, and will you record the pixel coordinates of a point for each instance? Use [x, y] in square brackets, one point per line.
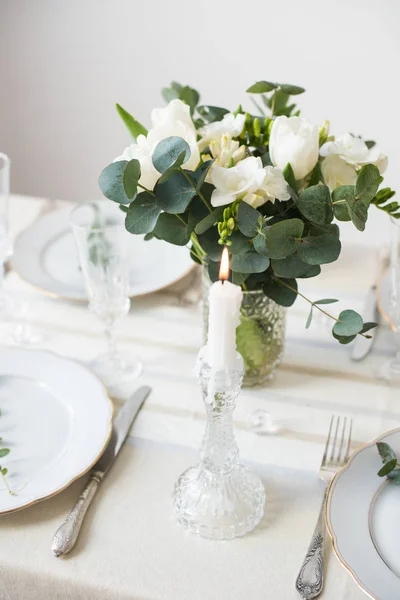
[293, 140]
[249, 181]
[230, 125]
[355, 152]
[173, 120]
[337, 171]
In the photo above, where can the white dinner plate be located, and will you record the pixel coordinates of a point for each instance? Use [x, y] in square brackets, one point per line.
[45, 256]
[56, 418]
[363, 519]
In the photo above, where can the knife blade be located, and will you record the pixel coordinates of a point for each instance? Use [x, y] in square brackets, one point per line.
[67, 534]
[362, 346]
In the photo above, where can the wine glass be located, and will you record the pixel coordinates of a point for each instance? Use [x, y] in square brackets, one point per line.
[5, 237]
[390, 370]
[103, 249]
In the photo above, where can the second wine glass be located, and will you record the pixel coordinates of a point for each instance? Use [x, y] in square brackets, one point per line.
[103, 248]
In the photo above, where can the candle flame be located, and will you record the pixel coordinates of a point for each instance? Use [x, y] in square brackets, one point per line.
[224, 266]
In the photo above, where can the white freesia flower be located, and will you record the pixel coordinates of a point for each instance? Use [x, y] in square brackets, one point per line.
[249, 181]
[355, 152]
[294, 140]
[337, 171]
[226, 150]
[173, 120]
[230, 125]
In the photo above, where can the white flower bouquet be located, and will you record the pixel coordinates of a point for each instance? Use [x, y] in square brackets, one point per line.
[269, 186]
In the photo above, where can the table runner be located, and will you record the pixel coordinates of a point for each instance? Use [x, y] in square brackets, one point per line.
[130, 547]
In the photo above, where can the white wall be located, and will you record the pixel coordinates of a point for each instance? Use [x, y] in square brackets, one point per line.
[64, 63]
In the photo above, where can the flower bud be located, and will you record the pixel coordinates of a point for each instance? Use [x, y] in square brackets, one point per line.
[231, 223]
[257, 127]
[323, 133]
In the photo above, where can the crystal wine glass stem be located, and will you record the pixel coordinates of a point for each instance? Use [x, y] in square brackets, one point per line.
[111, 343]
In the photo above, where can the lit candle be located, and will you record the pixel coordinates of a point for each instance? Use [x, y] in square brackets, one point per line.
[224, 300]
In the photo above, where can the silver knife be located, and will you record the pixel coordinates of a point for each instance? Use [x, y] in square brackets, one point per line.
[362, 345]
[66, 535]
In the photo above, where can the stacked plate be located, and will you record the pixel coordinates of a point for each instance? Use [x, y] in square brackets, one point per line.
[363, 518]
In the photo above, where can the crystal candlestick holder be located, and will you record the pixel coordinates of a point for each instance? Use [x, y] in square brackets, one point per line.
[219, 498]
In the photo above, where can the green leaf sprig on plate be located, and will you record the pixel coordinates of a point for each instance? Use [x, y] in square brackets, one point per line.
[391, 466]
[267, 184]
[3, 470]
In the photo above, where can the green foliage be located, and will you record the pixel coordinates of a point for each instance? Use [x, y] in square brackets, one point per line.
[174, 195]
[142, 214]
[349, 323]
[184, 93]
[261, 87]
[315, 204]
[380, 200]
[292, 90]
[282, 291]
[248, 220]
[212, 113]
[367, 184]
[130, 178]
[319, 250]
[4, 452]
[112, 181]
[249, 262]
[292, 267]
[282, 238]
[390, 463]
[170, 228]
[209, 220]
[134, 127]
[169, 155]
[288, 174]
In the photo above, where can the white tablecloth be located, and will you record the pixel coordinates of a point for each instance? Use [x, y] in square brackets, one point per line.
[130, 546]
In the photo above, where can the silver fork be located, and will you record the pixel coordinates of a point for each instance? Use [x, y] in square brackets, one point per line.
[310, 579]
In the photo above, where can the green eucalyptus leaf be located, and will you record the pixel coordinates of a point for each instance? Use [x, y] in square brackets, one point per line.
[281, 237]
[260, 244]
[309, 318]
[196, 213]
[248, 220]
[386, 452]
[212, 113]
[387, 467]
[292, 267]
[319, 250]
[292, 90]
[172, 92]
[368, 327]
[394, 476]
[261, 87]
[367, 184]
[239, 278]
[4, 452]
[326, 301]
[316, 175]
[199, 176]
[358, 212]
[278, 292]
[142, 214]
[134, 127]
[4, 471]
[174, 195]
[349, 323]
[130, 178]
[209, 220]
[249, 262]
[111, 182]
[190, 97]
[288, 174]
[213, 270]
[344, 339]
[315, 230]
[171, 229]
[209, 242]
[171, 153]
[340, 197]
[239, 243]
[315, 204]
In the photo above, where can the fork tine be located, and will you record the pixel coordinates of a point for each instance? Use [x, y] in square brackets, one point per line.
[339, 454]
[349, 440]
[328, 439]
[335, 439]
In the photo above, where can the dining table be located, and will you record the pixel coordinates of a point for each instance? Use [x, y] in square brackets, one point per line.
[131, 547]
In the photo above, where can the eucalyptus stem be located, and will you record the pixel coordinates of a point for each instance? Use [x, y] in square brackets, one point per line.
[197, 246]
[199, 192]
[7, 484]
[289, 287]
[145, 189]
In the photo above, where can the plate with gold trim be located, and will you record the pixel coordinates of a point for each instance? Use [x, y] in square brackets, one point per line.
[363, 519]
[45, 256]
[56, 420]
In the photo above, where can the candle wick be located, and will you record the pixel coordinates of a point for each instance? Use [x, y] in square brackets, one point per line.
[223, 281]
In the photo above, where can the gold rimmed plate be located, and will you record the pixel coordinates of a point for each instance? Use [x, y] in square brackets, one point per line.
[56, 418]
[362, 516]
[45, 256]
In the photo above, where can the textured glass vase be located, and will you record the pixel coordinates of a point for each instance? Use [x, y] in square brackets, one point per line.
[219, 498]
[260, 336]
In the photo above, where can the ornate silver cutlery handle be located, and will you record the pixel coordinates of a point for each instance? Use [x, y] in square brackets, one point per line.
[67, 534]
[310, 580]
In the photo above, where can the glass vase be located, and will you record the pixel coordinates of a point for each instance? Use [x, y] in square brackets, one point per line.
[219, 498]
[260, 336]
